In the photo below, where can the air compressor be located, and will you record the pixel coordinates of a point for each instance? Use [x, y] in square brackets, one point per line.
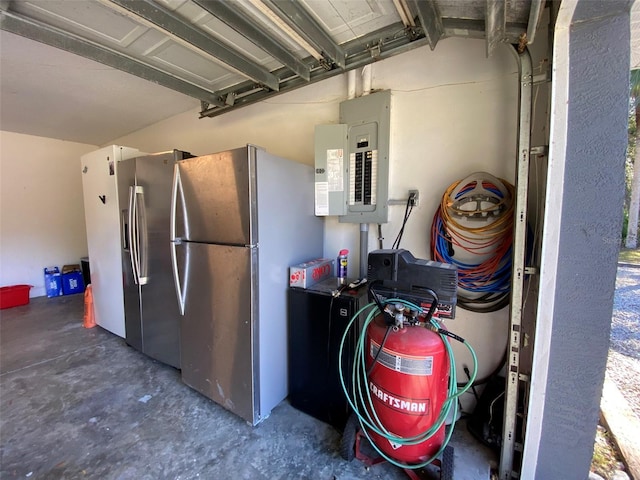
[403, 385]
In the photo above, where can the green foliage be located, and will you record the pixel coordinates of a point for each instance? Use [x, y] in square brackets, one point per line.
[633, 133]
[628, 164]
[634, 80]
[634, 100]
[628, 178]
[606, 458]
[629, 256]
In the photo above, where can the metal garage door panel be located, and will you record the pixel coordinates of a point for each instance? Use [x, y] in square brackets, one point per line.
[515, 10]
[87, 19]
[346, 20]
[518, 11]
[117, 29]
[200, 70]
[471, 10]
[219, 29]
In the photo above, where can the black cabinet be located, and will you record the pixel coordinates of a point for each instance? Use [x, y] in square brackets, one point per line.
[317, 322]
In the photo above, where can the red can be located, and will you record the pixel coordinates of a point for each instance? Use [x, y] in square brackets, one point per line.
[408, 387]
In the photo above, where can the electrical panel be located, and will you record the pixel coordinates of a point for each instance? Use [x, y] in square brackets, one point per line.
[352, 161]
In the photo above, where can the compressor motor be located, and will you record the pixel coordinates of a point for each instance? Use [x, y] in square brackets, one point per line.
[398, 274]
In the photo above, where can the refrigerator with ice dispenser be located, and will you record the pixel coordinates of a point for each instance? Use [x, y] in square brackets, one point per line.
[240, 219]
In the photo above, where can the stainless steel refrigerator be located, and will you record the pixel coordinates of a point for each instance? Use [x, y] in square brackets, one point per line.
[151, 312]
[241, 218]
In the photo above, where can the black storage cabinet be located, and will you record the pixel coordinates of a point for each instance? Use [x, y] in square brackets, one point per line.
[317, 321]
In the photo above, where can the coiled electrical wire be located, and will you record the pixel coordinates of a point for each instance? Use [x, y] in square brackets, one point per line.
[487, 281]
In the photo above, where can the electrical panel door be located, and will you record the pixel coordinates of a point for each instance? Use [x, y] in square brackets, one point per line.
[367, 119]
[330, 169]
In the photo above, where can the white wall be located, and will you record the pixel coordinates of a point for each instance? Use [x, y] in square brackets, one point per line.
[453, 112]
[41, 207]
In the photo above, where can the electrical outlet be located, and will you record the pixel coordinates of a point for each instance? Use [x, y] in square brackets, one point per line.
[414, 198]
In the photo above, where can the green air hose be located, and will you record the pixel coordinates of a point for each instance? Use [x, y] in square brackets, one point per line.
[368, 417]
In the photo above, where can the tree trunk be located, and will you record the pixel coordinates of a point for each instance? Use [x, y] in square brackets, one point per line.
[634, 203]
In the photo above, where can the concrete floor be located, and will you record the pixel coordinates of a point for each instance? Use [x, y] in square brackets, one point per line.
[78, 403]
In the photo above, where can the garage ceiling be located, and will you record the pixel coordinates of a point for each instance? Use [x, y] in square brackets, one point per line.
[94, 70]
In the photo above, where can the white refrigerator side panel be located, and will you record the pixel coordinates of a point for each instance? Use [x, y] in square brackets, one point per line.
[288, 233]
[102, 216]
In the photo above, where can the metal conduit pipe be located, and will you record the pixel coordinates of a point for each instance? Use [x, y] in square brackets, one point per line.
[364, 249]
[364, 227]
[525, 77]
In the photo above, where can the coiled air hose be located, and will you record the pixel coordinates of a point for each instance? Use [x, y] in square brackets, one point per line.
[361, 401]
[487, 201]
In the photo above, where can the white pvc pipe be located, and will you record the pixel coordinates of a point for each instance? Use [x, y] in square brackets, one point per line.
[366, 79]
[352, 80]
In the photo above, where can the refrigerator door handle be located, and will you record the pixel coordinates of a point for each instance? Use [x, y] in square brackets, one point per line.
[176, 187]
[124, 229]
[143, 240]
[133, 235]
[176, 275]
[174, 240]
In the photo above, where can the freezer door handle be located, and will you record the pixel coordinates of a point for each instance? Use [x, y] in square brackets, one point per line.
[174, 201]
[143, 238]
[174, 240]
[132, 235]
[124, 229]
[136, 235]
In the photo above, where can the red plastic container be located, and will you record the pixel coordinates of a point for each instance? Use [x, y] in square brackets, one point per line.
[14, 296]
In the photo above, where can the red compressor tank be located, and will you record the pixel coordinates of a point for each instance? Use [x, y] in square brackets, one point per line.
[408, 387]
